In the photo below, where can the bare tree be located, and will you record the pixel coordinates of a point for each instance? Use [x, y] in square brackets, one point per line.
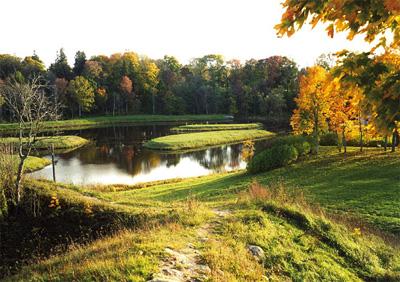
[30, 108]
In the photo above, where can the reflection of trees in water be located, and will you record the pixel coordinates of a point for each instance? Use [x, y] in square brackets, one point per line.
[235, 156]
[123, 147]
[217, 158]
[172, 159]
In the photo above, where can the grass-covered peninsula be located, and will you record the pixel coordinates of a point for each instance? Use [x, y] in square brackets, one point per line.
[98, 121]
[45, 143]
[190, 141]
[216, 127]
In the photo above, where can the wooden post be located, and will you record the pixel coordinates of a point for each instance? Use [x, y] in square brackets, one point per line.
[53, 162]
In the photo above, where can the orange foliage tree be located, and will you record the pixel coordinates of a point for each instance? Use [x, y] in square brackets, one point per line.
[312, 110]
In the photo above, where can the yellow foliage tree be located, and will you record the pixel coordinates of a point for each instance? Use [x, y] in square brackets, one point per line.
[312, 110]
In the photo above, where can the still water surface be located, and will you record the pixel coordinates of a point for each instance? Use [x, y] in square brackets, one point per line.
[116, 156]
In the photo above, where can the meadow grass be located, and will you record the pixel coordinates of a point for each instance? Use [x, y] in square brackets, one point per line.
[97, 121]
[45, 143]
[216, 127]
[190, 141]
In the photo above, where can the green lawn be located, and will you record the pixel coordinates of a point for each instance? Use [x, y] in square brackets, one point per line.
[110, 120]
[45, 143]
[190, 141]
[216, 127]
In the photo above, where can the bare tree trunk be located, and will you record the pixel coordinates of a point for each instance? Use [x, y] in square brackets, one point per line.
[19, 178]
[339, 142]
[114, 104]
[344, 142]
[394, 140]
[385, 143]
[153, 101]
[361, 133]
[315, 133]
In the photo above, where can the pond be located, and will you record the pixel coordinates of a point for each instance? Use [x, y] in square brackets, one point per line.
[116, 156]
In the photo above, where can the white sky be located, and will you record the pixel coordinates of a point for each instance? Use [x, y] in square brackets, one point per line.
[241, 29]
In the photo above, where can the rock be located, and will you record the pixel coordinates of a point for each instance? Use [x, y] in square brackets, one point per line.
[204, 269]
[257, 252]
[173, 272]
[164, 279]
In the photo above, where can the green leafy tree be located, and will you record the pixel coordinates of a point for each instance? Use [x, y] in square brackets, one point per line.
[83, 94]
[79, 65]
[60, 67]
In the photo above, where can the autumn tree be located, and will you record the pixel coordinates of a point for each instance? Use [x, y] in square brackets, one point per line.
[148, 83]
[378, 77]
[126, 87]
[373, 19]
[345, 109]
[312, 110]
[32, 66]
[82, 92]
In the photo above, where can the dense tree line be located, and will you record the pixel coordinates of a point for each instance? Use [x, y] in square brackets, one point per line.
[130, 84]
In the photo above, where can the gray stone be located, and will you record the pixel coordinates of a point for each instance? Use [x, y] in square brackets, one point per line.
[257, 252]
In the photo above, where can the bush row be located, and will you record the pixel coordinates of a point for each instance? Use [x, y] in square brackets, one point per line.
[283, 151]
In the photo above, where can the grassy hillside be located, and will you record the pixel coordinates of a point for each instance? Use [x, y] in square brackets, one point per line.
[190, 141]
[217, 217]
[216, 127]
[109, 120]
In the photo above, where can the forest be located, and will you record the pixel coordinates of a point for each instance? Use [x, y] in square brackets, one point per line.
[131, 84]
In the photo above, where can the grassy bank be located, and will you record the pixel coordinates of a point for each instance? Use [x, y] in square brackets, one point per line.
[363, 185]
[216, 127]
[110, 120]
[190, 141]
[32, 163]
[44, 143]
[35, 163]
[271, 210]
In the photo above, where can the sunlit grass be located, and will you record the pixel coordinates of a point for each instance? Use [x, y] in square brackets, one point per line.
[45, 143]
[216, 127]
[190, 141]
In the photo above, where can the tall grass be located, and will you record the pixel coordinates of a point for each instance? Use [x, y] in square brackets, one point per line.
[7, 174]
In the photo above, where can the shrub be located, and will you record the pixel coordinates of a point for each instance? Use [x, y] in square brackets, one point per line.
[284, 151]
[277, 156]
[301, 143]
